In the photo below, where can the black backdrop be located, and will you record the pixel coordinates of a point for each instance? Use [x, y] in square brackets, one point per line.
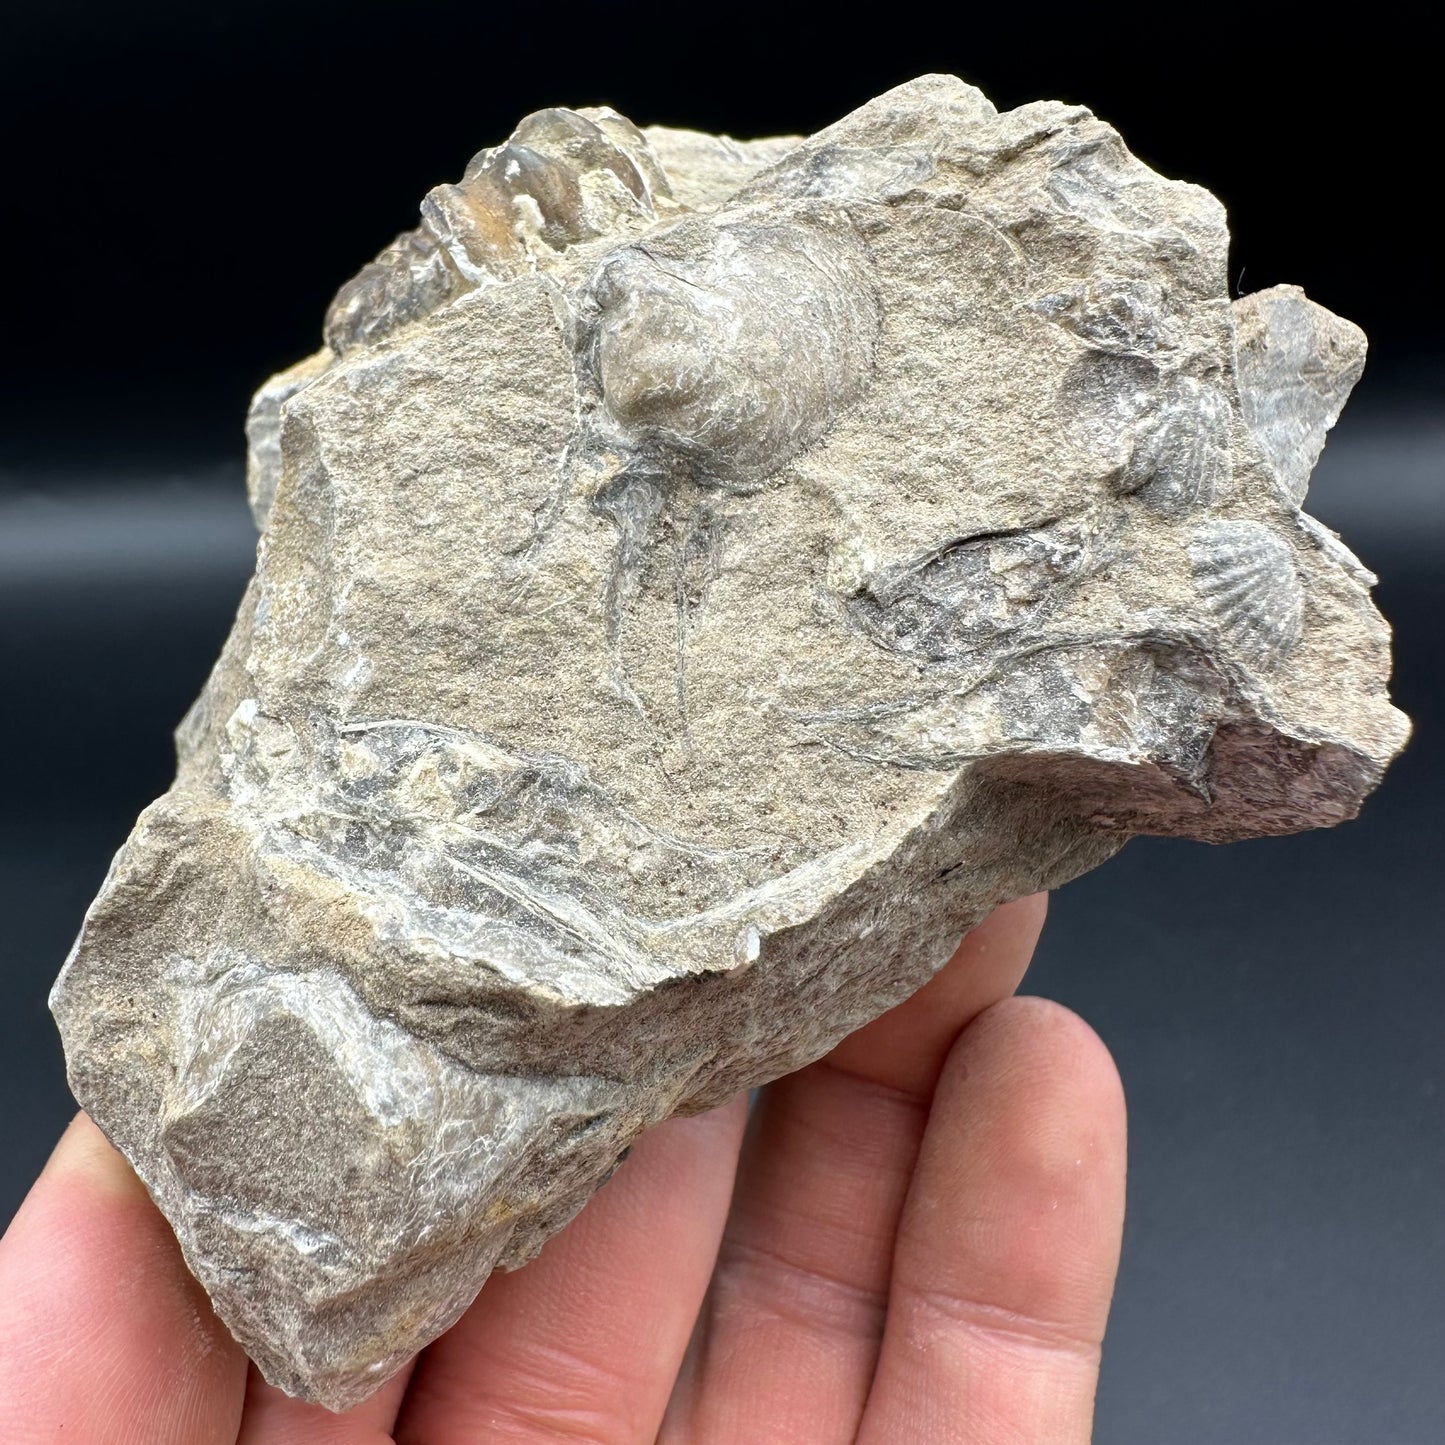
[193, 181]
[184, 187]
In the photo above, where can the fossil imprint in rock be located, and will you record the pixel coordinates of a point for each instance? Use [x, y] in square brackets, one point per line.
[697, 581]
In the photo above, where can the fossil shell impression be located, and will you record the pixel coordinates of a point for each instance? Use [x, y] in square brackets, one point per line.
[1246, 574]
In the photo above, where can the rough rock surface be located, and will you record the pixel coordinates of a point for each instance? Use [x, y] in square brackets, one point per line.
[697, 581]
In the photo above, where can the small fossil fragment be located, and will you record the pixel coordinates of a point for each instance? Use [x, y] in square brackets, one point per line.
[949, 603]
[699, 579]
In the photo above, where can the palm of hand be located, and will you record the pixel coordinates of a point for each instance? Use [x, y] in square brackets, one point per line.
[913, 1240]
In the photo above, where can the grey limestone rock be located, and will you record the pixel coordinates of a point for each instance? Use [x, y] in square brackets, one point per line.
[697, 581]
[1297, 365]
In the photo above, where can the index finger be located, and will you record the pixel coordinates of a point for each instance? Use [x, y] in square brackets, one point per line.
[104, 1334]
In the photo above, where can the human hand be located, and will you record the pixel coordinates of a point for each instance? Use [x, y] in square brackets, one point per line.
[914, 1241]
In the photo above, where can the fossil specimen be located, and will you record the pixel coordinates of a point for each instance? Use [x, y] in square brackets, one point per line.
[697, 581]
[1246, 574]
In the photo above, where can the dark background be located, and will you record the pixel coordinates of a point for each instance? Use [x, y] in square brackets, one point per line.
[185, 186]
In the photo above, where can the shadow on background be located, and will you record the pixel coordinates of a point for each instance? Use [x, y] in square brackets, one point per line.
[1275, 1006]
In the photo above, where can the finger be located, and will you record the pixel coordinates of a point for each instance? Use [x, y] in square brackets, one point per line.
[104, 1334]
[905, 1048]
[585, 1342]
[1009, 1241]
[789, 1336]
[274, 1418]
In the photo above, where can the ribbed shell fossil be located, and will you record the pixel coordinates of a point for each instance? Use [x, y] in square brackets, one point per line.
[1180, 462]
[1246, 574]
[731, 347]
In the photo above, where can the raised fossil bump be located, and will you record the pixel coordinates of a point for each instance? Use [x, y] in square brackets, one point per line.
[726, 346]
[711, 357]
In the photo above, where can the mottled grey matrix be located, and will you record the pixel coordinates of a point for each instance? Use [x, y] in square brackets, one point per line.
[698, 579]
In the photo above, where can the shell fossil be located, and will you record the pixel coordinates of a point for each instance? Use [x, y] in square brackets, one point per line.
[1180, 461]
[563, 177]
[730, 346]
[1246, 574]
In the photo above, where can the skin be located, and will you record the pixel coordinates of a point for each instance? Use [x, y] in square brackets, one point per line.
[914, 1239]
